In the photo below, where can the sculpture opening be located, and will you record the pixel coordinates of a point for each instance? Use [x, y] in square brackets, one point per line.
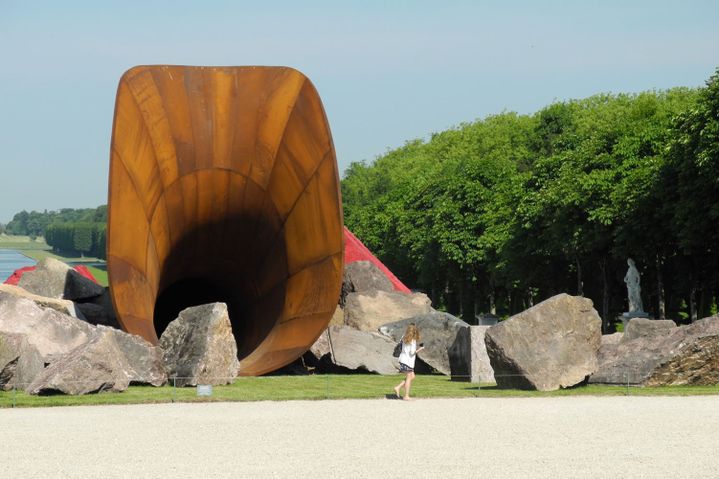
[224, 187]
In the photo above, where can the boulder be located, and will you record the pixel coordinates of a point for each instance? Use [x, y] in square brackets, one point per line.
[10, 345]
[438, 331]
[549, 346]
[675, 356]
[363, 277]
[338, 317]
[99, 310]
[199, 347]
[143, 362]
[644, 327]
[49, 337]
[610, 339]
[20, 362]
[355, 350]
[468, 359]
[95, 366]
[55, 279]
[368, 311]
[321, 348]
[64, 306]
[50, 332]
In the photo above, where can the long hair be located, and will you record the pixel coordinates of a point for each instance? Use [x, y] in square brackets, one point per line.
[411, 333]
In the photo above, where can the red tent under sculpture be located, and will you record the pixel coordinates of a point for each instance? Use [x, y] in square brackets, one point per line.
[356, 251]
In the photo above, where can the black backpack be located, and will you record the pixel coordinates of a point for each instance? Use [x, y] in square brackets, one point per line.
[397, 350]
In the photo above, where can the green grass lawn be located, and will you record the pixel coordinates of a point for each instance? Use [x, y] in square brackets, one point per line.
[22, 243]
[315, 387]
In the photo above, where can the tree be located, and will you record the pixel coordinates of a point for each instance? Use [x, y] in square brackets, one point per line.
[693, 171]
[497, 214]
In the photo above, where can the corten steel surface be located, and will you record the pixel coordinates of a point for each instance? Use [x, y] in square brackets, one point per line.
[224, 187]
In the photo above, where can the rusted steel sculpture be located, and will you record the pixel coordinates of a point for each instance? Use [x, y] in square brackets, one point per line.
[224, 187]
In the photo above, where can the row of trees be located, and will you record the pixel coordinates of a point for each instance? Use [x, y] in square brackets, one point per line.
[34, 223]
[83, 237]
[498, 214]
[70, 230]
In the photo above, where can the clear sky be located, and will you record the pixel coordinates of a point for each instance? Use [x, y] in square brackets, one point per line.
[387, 72]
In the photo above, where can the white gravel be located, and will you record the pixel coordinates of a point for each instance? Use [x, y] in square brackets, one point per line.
[572, 437]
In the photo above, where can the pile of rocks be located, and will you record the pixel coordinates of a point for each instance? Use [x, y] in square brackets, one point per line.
[45, 346]
[554, 344]
[54, 338]
[660, 353]
[371, 318]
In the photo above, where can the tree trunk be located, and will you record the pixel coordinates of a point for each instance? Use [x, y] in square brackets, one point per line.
[461, 300]
[580, 284]
[660, 290]
[693, 303]
[606, 320]
[492, 303]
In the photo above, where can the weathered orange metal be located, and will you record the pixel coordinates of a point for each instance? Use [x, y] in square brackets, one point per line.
[224, 187]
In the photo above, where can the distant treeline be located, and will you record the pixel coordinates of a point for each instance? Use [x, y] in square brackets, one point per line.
[496, 215]
[70, 230]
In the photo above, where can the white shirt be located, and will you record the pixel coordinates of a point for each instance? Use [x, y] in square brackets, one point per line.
[408, 354]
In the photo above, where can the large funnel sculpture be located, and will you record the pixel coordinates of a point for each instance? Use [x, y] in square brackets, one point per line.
[224, 187]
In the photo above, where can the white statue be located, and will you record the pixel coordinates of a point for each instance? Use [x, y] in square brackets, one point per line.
[634, 291]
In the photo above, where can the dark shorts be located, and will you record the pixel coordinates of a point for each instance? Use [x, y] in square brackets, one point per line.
[403, 368]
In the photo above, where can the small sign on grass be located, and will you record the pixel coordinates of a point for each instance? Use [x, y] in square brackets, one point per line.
[204, 389]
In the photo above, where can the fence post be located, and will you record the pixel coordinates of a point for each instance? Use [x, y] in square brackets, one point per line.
[174, 386]
[626, 379]
[14, 394]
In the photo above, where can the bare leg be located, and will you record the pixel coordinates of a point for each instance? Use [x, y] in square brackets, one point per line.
[408, 384]
[398, 387]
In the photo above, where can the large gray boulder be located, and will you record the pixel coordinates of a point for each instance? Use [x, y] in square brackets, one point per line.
[55, 279]
[143, 363]
[671, 356]
[355, 350]
[644, 327]
[49, 337]
[20, 362]
[368, 311]
[363, 277]
[438, 331]
[549, 346]
[95, 366]
[64, 306]
[199, 347]
[50, 332]
[468, 359]
[99, 310]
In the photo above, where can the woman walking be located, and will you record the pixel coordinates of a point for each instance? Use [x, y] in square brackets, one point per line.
[406, 359]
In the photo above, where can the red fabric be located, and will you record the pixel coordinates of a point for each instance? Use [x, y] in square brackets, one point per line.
[14, 278]
[356, 251]
[82, 269]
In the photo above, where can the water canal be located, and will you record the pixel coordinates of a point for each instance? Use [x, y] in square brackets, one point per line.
[10, 260]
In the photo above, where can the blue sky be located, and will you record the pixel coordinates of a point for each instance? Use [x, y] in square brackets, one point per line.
[387, 72]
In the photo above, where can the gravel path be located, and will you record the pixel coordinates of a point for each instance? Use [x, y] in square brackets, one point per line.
[603, 437]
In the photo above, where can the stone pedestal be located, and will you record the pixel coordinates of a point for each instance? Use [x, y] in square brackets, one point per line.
[468, 356]
[625, 317]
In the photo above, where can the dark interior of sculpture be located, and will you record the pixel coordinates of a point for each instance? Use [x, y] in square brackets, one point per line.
[224, 187]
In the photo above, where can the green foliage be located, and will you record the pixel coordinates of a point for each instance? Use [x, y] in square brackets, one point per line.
[82, 237]
[69, 230]
[34, 223]
[508, 210]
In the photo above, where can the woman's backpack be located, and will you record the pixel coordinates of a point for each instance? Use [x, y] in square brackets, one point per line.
[397, 350]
